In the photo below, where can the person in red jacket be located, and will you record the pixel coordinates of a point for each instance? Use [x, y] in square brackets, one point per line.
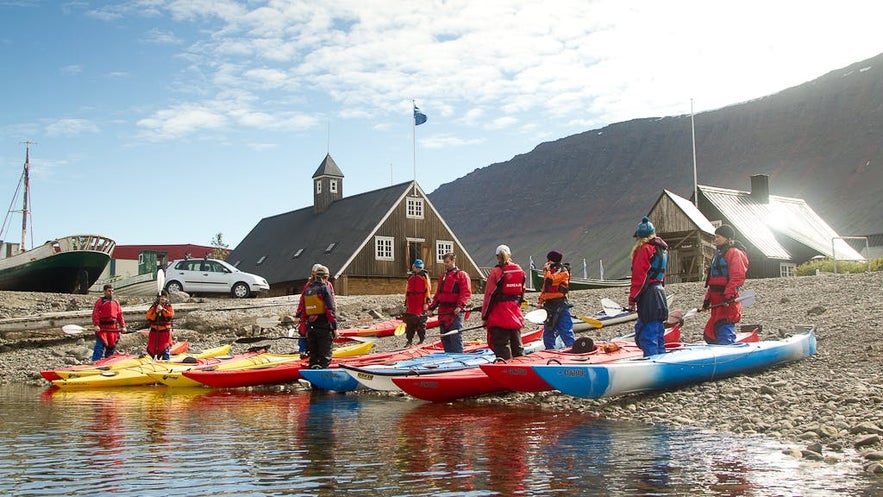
[647, 291]
[417, 298]
[452, 294]
[501, 309]
[725, 276]
[159, 339]
[107, 316]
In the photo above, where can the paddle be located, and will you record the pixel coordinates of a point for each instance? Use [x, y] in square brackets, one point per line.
[160, 281]
[611, 307]
[72, 329]
[295, 337]
[747, 300]
[400, 329]
[454, 332]
[539, 316]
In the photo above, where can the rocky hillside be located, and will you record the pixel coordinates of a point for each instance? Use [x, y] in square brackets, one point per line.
[585, 193]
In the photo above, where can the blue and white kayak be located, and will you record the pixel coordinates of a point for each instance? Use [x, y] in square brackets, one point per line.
[333, 379]
[682, 366]
[379, 376]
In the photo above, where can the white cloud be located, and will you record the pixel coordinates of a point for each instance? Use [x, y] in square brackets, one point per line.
[446, 141]
[72, 69]
[71, 127]
[157, 36]
[180, 121]
[569, 62]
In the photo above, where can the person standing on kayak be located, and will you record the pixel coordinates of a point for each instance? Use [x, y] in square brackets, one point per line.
[725, 276]
[553, 298]
[159, 338]
[452, 294]
[417, 299]
[501, 309]
[321, 319]
[647, 291]
[107, 316]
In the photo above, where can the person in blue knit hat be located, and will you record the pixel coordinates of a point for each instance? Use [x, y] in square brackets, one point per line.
[647, 291]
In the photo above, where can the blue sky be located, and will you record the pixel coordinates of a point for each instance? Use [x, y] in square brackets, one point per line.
[163, 121]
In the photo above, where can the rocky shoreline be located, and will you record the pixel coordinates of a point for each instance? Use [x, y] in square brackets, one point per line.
[826, 407]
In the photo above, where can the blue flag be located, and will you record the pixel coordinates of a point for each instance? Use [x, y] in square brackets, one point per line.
[419, 117]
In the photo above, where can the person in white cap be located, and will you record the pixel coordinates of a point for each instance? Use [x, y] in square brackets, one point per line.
[501, 309]
[417, 298]
[321, 319]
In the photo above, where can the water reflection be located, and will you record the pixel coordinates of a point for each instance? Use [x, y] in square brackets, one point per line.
[158, 441]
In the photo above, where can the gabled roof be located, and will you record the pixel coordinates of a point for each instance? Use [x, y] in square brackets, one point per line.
[759, 223]
[328, 168]
[691, 212]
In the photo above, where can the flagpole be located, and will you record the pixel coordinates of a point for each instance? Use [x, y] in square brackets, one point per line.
[695, 181]
[414, 128]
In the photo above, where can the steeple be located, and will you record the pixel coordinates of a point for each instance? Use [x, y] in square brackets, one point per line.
[327, 184]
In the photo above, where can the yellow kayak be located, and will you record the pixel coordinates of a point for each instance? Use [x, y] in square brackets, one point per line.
[175, 360]
[175, 378]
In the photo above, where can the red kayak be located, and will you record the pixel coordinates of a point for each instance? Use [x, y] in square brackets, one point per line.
[289, 372]
[447, 387]
[381, 329]
[51, 375]
[518, 374]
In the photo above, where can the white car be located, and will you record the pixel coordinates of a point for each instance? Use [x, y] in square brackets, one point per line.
[212, 276]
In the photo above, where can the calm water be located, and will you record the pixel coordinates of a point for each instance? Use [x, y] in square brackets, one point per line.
[193, 442]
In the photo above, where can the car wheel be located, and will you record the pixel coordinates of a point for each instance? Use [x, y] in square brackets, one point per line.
[240, 290]
[174, 286]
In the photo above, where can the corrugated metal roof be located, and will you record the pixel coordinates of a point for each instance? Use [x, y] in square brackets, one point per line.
[760, 223]
[691, 212]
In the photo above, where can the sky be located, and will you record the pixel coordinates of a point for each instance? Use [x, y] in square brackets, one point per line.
[169, 122]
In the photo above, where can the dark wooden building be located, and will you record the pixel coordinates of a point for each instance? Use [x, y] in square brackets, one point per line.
[779, 232]
[367, 241]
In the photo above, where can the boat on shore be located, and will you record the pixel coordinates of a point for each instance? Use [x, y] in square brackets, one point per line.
[536, 276]
[69, 264]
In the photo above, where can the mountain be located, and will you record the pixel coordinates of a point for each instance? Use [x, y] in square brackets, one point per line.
[584, 194]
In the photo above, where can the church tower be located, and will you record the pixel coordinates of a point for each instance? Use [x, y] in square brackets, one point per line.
[327, 185]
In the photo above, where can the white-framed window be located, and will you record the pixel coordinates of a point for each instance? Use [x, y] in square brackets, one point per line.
[442, 247]
[383, 248]
[786, 269]
[319, 186]
[332, 186]
[414, 208]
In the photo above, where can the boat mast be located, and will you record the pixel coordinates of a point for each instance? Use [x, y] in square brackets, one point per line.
[27, 195]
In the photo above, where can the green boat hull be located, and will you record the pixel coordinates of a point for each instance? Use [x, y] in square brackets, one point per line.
[65, 272]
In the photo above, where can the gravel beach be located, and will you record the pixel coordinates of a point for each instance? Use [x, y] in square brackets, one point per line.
[825, 407]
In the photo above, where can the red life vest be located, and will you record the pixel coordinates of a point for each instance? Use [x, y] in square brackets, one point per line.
[513, 280]
[417, 293]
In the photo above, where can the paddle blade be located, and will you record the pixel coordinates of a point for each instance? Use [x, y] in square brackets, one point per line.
[160, 280]
[610, 307]
[536, 317]
[747, 298]
[594, 323]
[400, 329]
[72, 329]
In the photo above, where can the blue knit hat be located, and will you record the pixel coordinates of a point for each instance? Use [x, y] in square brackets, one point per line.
[645, 229]
[418, 264]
